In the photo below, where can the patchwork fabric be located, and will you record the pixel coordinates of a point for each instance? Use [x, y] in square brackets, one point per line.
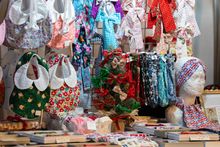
[64, 96]
[29, 95]
[195, 118]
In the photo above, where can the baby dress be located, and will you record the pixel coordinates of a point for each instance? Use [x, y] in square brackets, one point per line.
[131, 28]
[63, 16]
[109, 17]
[30, 95]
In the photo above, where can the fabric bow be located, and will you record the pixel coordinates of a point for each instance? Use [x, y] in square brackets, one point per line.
[122, 94]
[120, 78]
[116, 62]
[185, 32]
[109, 54]
[102, 92]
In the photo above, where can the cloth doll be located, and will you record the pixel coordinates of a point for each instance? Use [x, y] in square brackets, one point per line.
[190, 80]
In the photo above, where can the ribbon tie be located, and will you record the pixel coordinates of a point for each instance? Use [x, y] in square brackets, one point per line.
[109, 54]
[118, 63]
[120, 78]
[123, 95]
[185, 32]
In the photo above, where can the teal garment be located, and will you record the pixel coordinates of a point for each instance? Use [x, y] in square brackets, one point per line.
[109, 21]
[83, 11]
[162, 83]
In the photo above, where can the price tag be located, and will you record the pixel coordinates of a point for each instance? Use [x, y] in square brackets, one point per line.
[62, 139]
[202, 137]
[91, 125]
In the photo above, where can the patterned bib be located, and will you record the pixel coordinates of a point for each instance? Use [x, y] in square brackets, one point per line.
[64, 95]
[30, 28]
[28, 95]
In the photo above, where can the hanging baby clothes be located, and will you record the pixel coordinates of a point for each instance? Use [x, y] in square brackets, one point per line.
[187, 27]
[83, 10]
[2, 87]
[28, 24]
[98, 39]
[81, 61]
[149, 72]
[128, 4]
[170, 60]
[161, 13]
[131, 28]
[64, 94]
[97, 4]
[28, 95]
[109, 17]
[2, 32]
[63, 16]
[185, 16]
[162, 82]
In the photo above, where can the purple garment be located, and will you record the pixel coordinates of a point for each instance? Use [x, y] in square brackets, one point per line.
[117, 5]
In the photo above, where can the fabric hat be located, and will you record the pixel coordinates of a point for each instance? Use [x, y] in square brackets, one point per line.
[186, 67]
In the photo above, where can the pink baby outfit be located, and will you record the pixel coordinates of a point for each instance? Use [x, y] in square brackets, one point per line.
[63, 16]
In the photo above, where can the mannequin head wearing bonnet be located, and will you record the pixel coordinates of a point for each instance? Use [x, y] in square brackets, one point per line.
[190, 81]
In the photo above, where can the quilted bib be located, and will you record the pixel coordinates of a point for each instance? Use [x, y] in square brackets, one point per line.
[64, 94]
[63, 16]
[28, 24]
[30, 95]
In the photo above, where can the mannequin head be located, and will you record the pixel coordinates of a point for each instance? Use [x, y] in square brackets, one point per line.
[190, 80]
[190, 75]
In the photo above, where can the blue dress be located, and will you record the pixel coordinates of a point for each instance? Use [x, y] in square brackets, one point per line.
[109, 21]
